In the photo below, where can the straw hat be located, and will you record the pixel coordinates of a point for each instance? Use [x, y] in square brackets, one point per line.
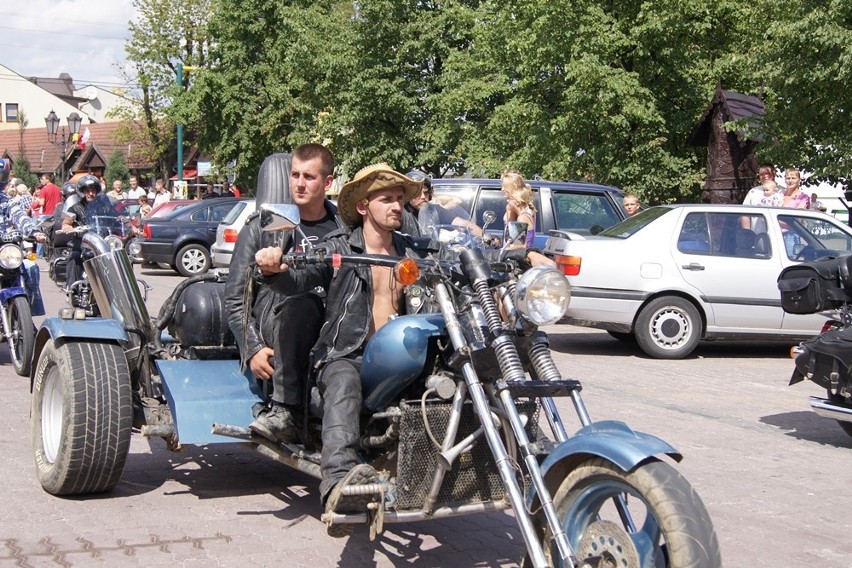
[368, 180]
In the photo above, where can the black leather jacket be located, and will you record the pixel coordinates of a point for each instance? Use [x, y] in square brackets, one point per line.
[252, 328]
[348, 313]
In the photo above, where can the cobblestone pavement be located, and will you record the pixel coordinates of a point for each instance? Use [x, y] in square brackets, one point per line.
[771, 473]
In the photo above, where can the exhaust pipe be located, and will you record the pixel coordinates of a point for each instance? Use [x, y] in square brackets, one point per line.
[827, 409]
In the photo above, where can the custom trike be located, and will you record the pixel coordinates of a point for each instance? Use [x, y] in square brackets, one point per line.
[459, 414]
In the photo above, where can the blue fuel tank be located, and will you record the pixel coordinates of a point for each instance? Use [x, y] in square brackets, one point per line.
[395, 357]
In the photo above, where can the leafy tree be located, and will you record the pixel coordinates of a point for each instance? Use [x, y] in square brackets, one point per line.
[165, 34]
[801, 63]
[22, 164]
[116, 168]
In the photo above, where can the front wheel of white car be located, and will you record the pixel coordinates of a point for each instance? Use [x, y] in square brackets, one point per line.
[668, 328]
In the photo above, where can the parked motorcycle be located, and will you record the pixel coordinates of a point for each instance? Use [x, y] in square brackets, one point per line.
[458, 415]
[17, 329]
[824, 286]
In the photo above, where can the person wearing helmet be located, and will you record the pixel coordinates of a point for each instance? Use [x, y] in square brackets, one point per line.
[74, 214]
[15, 223]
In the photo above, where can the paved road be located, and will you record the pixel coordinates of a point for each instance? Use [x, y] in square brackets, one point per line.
[773, 475]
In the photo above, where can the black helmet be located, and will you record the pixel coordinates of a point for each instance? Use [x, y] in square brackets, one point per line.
[69, 188]
[417, 175]
[88, 181]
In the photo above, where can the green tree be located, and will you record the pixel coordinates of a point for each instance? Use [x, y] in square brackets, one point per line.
[801, 63]
[22, 164]
[116, 168]
[165, 34]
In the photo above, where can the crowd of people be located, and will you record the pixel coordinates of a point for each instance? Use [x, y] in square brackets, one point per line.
[769, 194]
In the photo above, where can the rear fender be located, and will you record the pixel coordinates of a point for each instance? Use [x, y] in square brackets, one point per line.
[61, 330]
[611, 440]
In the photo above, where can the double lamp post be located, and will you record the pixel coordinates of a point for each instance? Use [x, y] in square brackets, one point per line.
[55, 135]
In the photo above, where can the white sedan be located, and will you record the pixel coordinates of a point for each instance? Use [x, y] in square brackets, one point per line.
[675, 274]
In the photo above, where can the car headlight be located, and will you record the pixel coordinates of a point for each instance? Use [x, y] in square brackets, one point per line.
[114, 242]
[542, 295]
[11, 256]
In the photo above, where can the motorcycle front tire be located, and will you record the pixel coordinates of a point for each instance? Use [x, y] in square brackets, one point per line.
[81, 416]
[22, 338]
[673, 526]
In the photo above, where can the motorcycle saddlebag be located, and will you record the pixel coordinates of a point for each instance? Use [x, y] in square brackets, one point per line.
[813, 287]
[200, 318]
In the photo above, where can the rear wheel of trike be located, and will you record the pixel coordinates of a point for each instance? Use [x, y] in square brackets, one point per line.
[671, 525]
[81, 417]
[22, 340]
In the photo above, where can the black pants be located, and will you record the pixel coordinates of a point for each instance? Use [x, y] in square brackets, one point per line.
[297, 323]
[340, 385]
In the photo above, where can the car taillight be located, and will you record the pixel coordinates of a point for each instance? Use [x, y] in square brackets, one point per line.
[569, 265]
[147, 231]
[230, 235]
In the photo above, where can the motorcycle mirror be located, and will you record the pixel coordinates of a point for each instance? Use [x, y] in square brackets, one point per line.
[487, 218]
[279, 216]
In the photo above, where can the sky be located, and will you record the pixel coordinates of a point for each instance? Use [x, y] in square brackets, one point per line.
[84, 38]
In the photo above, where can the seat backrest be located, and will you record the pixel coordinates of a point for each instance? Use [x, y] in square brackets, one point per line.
[273, 180]
[762, 246]
[744, 242]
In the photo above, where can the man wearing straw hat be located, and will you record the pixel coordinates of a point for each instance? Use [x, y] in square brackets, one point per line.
[361, 299]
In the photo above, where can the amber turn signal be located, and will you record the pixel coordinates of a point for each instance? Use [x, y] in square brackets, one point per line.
[406, 271]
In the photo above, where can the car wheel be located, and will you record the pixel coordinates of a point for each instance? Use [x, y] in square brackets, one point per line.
[192, 259]
[668, 328]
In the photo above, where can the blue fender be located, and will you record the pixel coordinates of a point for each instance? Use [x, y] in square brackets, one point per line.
[611, 440]
[7, 294]
[58, 329]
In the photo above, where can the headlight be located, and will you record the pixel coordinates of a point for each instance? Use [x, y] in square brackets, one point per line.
[11, 256]
[114, 242]
[542, 295]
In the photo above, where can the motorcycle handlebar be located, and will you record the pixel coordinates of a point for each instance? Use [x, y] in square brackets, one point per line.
[301, 260]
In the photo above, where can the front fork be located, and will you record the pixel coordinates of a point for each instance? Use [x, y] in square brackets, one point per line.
[509, 364]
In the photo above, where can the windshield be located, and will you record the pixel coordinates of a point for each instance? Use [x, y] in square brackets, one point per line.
[632, 225]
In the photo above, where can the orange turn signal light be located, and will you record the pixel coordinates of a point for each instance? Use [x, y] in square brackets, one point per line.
[406, 271]
[569, 265]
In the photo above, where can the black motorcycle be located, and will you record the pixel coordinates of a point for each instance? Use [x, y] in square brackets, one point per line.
[824, 286]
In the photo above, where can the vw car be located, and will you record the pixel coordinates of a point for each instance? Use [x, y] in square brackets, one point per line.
[675, 274]
[227, 232]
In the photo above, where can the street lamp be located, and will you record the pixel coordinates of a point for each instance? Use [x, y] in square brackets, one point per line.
[179, 73]
[52, 122]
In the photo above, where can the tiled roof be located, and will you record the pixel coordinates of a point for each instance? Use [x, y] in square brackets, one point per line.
[46, 157]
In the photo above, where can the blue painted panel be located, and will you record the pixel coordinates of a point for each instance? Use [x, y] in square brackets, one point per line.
[95, 328]
[201, 393]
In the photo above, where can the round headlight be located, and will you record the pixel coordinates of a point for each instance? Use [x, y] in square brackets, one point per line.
[542, 295]
[114, 242]
[11, 256]
[134, 248]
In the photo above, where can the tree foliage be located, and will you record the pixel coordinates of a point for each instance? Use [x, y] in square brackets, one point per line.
[165, 34]
[116, 168]
[802, 65]
[567, 89]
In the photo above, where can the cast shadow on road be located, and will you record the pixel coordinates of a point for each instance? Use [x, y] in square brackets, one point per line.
[595, 342]
[808, 426]
[234, 470]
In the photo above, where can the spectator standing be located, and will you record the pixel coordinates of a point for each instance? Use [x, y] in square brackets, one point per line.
[117, 194]
[766, 193]
[816, 204]
[144, 206]
[520, 206]
[135, 192]
[38, 203]
[631, 204]
[50, 194]
[793, 195]
[226, 190]
[210, 193]
[161, 195]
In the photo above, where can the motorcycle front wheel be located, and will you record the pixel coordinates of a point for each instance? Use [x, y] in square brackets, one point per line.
[22, 339]
[668, 525]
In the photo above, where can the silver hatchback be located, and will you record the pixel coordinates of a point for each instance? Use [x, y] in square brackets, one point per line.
[227, 232]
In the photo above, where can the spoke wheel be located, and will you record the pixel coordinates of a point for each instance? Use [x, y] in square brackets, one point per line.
[22, 340]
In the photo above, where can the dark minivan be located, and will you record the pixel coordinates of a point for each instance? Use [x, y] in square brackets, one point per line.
[569, 206]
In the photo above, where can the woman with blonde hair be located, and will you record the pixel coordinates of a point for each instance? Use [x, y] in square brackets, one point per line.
[793, 195]
[520, 202]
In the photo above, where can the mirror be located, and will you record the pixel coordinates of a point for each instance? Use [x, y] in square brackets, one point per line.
[487, 218]
[279, 216]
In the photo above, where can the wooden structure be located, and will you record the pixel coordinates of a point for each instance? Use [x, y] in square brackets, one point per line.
[731, 164]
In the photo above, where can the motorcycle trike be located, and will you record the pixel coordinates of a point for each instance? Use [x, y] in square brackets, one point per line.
[459, 416]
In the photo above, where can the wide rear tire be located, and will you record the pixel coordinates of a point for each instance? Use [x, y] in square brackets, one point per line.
[673, 528]
[81, 417]
[22, 340]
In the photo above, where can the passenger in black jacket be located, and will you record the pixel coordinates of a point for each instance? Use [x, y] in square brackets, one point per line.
[275, 333]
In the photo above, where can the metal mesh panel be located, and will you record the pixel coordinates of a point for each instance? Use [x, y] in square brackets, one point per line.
[473, 477]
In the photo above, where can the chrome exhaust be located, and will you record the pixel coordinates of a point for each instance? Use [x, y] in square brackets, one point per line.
[827, 409]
